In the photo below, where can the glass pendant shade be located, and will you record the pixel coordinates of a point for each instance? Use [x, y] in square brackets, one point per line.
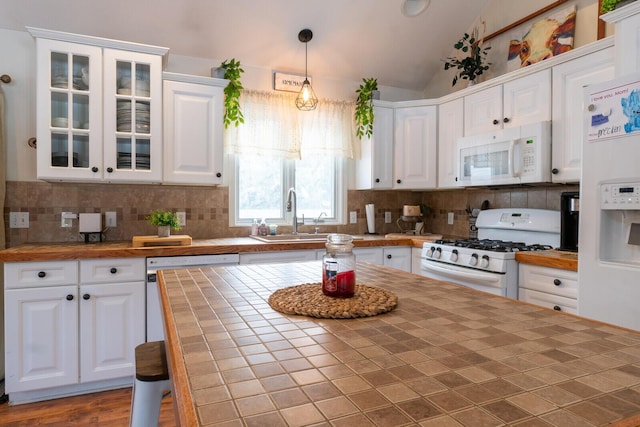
[306, 99]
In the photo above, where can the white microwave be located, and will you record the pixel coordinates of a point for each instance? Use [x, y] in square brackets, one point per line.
[517, 155]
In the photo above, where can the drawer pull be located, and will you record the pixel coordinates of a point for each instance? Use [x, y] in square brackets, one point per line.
[86, 296]
[389, 256]
[69, 297]
[557, 282]
[113, 270]
[557, 308]
[42, 274]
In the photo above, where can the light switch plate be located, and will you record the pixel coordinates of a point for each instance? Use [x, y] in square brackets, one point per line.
[387, 217]
[353, 217]
[450, 218]
[110, 219]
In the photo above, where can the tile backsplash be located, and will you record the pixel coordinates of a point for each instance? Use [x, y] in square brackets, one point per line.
[207, 208]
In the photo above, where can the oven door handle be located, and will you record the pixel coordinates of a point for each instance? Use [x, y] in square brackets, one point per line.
[477, 277]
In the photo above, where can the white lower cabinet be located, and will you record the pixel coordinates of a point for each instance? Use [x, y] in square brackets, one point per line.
[548, 287]
[390, 256]
[72, 326]
[277, 256]
[41, 339]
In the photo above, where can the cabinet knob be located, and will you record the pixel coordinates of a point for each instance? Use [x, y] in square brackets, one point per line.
[42, 274]
[69, 297]
[109, 170]
[389, 256]
[377, 179]
[557, 308]
[555, 171]
[113, 270]
[94, 169]
[456, 179]
[505, 120]
[86, 296]
[557, 282]
[399, 181]
[496, 121]
[218, 174]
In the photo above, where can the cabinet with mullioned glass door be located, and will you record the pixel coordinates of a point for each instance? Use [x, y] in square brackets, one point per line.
[99, 108]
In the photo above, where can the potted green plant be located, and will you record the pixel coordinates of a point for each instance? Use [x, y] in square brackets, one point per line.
[472, 64]
[609, 5]
[165, 221]
[232, 111]
[364, 107]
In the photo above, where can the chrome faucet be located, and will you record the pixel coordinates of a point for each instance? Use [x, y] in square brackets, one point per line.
[317, 221]
[292, 203]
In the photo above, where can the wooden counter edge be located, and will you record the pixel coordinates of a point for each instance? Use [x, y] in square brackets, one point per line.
[183, 404]
[551, 259]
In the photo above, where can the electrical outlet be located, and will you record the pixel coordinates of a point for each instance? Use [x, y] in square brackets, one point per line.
[110, 219]
[18, 219]
[182, 218]
[450, 218]
[387, 217]
[353, 217]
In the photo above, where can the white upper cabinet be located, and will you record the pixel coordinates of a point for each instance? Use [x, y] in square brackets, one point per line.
[374, 168]
[415, 148]
[99, 108]
[193, 129]
[569, 81]
[132, 116]
[516, 102]
[450, 128]
[69, 109]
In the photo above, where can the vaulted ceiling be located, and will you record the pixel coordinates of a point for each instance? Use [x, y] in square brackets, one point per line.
[352, 39]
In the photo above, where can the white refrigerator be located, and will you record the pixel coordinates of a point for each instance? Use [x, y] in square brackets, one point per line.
[609, 236]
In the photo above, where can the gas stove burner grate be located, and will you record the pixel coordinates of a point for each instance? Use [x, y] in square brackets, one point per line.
[493, 245]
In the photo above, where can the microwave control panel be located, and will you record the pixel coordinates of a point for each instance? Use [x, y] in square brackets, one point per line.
[528, 155]
[620, 196]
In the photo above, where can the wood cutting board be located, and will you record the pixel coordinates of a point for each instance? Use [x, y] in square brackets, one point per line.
[177, 240]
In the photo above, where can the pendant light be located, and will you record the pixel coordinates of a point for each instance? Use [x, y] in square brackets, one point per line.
[306, 99]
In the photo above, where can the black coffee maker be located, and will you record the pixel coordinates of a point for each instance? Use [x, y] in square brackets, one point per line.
[569, 220]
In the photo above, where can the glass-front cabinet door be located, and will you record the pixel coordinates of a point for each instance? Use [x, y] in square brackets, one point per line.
[132, 116]
[69, 91]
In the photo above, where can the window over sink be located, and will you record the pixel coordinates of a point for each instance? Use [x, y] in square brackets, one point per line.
[279, 147]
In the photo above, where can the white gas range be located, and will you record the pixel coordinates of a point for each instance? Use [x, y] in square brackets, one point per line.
[488, 262]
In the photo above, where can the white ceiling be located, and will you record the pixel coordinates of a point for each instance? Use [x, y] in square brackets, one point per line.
[352, 39]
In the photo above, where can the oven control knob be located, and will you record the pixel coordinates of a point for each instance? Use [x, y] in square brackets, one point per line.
[484, 263]
[454, 255]
[438, 253]
[431, 250]
[474, 259]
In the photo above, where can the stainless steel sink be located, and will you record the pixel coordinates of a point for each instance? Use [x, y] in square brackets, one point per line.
[296, 237]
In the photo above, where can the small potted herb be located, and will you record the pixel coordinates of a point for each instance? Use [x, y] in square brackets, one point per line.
[472, 64]
[367, 92]
[232, 112]
[165, 221]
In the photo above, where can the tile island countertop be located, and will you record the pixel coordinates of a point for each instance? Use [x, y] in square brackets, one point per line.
[446, 356]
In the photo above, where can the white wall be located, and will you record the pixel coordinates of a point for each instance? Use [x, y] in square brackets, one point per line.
[500, 13]
[17, 57]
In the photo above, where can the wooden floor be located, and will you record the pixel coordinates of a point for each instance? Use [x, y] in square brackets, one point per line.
[109, 408]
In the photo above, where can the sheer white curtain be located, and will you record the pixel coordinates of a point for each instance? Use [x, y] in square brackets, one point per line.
[274, 127]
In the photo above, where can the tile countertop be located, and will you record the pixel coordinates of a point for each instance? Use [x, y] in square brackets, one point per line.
[74, 250]
[447, 355]
[553, 258]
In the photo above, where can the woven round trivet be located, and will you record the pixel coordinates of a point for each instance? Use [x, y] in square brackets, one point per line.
[308, 300]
